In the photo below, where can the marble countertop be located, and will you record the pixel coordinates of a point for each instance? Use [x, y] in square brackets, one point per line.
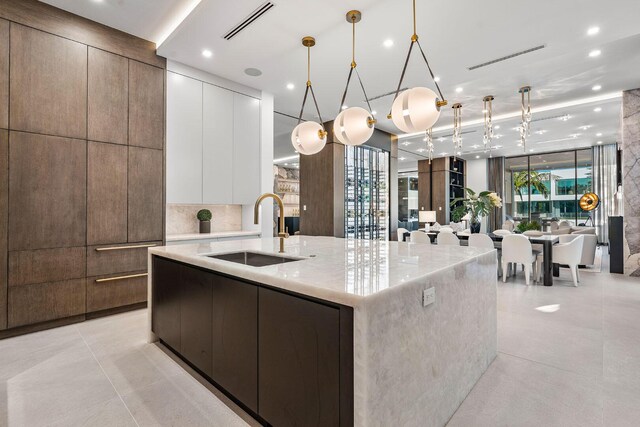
[344, 271]
[216, 235]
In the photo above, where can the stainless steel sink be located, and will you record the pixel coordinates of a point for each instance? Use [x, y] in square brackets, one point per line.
[254, 259]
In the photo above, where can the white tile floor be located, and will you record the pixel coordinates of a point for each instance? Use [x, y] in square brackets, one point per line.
[576, 366]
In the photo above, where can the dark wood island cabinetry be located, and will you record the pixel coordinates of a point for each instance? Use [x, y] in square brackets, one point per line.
[286, 358]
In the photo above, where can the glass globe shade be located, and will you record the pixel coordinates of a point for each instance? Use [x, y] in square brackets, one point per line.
[306, 139]
[352, 127]
[415, 110]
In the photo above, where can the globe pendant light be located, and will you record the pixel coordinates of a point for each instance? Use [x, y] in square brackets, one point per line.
[309, 137]
[354, 125]
[416, 109]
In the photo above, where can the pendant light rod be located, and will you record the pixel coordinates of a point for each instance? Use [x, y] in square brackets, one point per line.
[414, 40]
[353, 17]
[309, 42]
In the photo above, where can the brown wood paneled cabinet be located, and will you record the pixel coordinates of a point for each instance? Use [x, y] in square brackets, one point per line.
[165, 317]
[4, 223]
[286, 358]
[107, 111]
[4, 74]
[235, 338]
[195, 317]
[47, 183]
[145, 207]
[41, 302]
[81, 166]
[48, 83]
[298, 361]
[112, 291]
[106, 193]
[146, 105]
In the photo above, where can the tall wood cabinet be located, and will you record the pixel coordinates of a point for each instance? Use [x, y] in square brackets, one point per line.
[81, 165]
[439, 182]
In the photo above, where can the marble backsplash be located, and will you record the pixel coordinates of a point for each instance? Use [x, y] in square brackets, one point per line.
[181, 219]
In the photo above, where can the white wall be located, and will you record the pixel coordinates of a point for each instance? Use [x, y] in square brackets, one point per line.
[477, 180]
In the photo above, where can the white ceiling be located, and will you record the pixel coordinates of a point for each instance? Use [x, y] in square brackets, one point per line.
[455, 36]
[148, 19]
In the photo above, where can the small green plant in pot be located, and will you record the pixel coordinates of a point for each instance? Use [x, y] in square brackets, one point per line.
[204, 216]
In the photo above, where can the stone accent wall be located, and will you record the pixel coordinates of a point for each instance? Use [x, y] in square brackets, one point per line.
[181, 219]
[631, 179]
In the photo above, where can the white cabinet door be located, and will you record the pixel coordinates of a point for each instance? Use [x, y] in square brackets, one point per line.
[184, 139]
[217, 153]
[246, 149]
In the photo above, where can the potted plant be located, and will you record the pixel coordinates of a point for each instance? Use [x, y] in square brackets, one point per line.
[476, 205]
[204, 216]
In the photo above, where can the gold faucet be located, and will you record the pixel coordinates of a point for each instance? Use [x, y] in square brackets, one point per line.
[256, 211]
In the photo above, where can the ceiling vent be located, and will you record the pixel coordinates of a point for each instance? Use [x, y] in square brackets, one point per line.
[542, 119]
[264, 8]
[504, 58]
[450, 134]
[393, 92]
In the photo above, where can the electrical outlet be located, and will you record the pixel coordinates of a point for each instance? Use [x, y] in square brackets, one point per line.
[428, 296]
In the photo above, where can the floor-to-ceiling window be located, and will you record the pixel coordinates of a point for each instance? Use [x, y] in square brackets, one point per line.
[546, 187]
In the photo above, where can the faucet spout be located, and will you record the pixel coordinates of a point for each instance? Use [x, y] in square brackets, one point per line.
[256, 215]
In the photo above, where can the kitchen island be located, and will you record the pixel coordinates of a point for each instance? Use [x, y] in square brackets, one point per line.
[341, 332]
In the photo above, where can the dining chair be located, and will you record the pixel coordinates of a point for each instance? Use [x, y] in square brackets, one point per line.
[446, 229]
[401, 232]
[502, 232]
[517, 249]
[448, 239]
[484, 241]
[420, 237]
[568, 251]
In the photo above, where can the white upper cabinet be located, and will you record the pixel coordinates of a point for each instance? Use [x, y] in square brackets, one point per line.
[217, 150]
[184, 139]
[213, 144]
[246, 149]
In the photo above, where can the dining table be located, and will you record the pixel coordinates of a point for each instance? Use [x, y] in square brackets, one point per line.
[549, 269]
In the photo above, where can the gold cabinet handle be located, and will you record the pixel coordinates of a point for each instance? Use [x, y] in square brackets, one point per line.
[118, 248]
[130, 276]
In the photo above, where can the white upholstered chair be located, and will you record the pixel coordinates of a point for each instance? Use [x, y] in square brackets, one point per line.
[502, 232]
[569, 252]
[401, 232]
[446, 229]
[480, 241]
[448, 239]
[517, 249]
[420, 237]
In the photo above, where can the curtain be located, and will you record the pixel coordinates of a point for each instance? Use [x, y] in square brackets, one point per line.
[604, 185]
[495, 181]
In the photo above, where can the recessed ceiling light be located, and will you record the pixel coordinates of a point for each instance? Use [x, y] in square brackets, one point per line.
[421, 150]
[575, 135]
[496, 127]
[459, 89]
[597, 109]
[374, 112]
[406, 143]
[585, 127]
[443, 154]
[594, 53]
[459, 153]
[541, 131]
[291, 86]
[531, 150]
[402, 158]
[436, 79]
[388, 43]
[599, 134]
[344, 107]
[253, 72]
[475, 146]
[207, 53]
[565, 117]
[596, 88]
[593, 31]
[599, 142]
[477, 157]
